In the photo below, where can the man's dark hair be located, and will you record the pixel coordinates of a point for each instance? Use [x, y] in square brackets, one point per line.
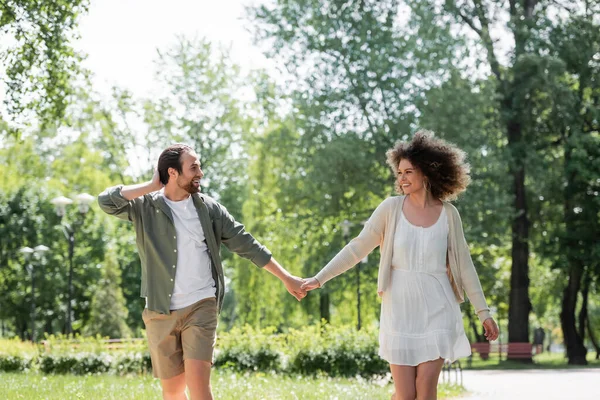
[171, 158]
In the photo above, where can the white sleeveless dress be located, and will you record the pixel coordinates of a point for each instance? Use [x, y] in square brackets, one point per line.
[420, 317]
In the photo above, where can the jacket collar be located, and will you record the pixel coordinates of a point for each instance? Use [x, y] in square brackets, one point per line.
[158, 199]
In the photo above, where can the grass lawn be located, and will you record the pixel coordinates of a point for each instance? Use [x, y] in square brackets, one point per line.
[226, 385]
[540, 361]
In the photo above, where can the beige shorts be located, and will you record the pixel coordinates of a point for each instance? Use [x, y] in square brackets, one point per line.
[185, 334]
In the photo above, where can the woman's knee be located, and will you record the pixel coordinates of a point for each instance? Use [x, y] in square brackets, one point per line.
[426, 389]
[405, 393]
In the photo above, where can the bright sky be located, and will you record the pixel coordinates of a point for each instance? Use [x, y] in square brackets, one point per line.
[121, 37]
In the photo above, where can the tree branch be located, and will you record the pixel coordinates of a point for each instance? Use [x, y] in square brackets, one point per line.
[487, 40]
[529, 6]
[513, 8]
[469, 22]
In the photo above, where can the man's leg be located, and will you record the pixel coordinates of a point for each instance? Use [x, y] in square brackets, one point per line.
[164, 343]
[198, 337]
[197, 378]
[174, 388]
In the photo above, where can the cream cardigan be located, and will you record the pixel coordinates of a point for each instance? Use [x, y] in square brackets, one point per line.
[379, 231]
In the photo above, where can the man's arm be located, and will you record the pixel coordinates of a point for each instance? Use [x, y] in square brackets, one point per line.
[119, 201]
[236, 239]
[131, 192]
[292, 283]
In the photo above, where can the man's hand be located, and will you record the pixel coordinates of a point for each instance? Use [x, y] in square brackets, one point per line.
[293, 284]
[311, 284]
[131, 192]
[491, 329]
[156, 183]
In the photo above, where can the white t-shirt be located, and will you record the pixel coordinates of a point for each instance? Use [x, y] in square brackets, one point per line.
[193, 277]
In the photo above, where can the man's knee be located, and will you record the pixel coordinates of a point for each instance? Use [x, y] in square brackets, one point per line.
[173, 388]
[197, 374]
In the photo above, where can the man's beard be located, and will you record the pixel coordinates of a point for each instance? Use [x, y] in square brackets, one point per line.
[189, 187]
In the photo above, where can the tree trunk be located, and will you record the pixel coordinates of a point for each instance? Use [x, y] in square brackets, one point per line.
[324, 305]
[522, 18]
[519, 304]
[593, 339]
[583, 313]
[576, 351]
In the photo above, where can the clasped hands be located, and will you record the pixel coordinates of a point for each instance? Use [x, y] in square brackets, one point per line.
[299, 287]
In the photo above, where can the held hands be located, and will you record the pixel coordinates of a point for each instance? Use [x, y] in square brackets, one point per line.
[294, 286]
[299, 287]
[491, 329]
[311, 284]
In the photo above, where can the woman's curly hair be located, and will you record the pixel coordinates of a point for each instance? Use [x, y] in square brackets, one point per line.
[442, 164]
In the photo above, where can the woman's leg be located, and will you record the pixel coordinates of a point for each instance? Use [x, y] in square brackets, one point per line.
[404, 382]
[428, 374]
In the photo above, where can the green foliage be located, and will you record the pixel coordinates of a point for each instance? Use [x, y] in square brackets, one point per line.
[27, 219]
[312, 350]
[76, 364]
[292, 162]
[108, 313]
[341, 352]
[40, 62]
[15, 363]
[315, 349]
[16, 355]
[74, 355]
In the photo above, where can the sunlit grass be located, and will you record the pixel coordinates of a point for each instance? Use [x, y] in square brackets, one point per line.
[226, 385]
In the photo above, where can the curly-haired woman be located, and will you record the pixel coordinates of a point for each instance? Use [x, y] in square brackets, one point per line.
[425, 266]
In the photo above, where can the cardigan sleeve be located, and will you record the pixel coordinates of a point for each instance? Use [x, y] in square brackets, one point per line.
[369, 238]
[469, 277]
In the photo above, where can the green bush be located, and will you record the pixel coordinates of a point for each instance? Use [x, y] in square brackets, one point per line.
[132, 363]
[339, 352]
[15, 363]
[76, 364]
[317, 349]
[249, 349]
[16, 355]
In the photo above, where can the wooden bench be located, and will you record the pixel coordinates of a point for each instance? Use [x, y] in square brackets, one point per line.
[481, 348]
[110, 344]
[517, 350]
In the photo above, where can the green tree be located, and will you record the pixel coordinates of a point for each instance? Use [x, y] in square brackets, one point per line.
[26, 219]
[473, 124]
[578, 45]
[355, 73]
[37, 55]
[108, 314]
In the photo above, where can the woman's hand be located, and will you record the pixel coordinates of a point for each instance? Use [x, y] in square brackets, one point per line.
[310, 284]
[491, 329]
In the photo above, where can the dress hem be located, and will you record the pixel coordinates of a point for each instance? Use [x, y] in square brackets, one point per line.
[452, 359]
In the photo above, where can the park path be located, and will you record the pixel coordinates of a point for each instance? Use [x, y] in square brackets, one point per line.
[555, 384]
